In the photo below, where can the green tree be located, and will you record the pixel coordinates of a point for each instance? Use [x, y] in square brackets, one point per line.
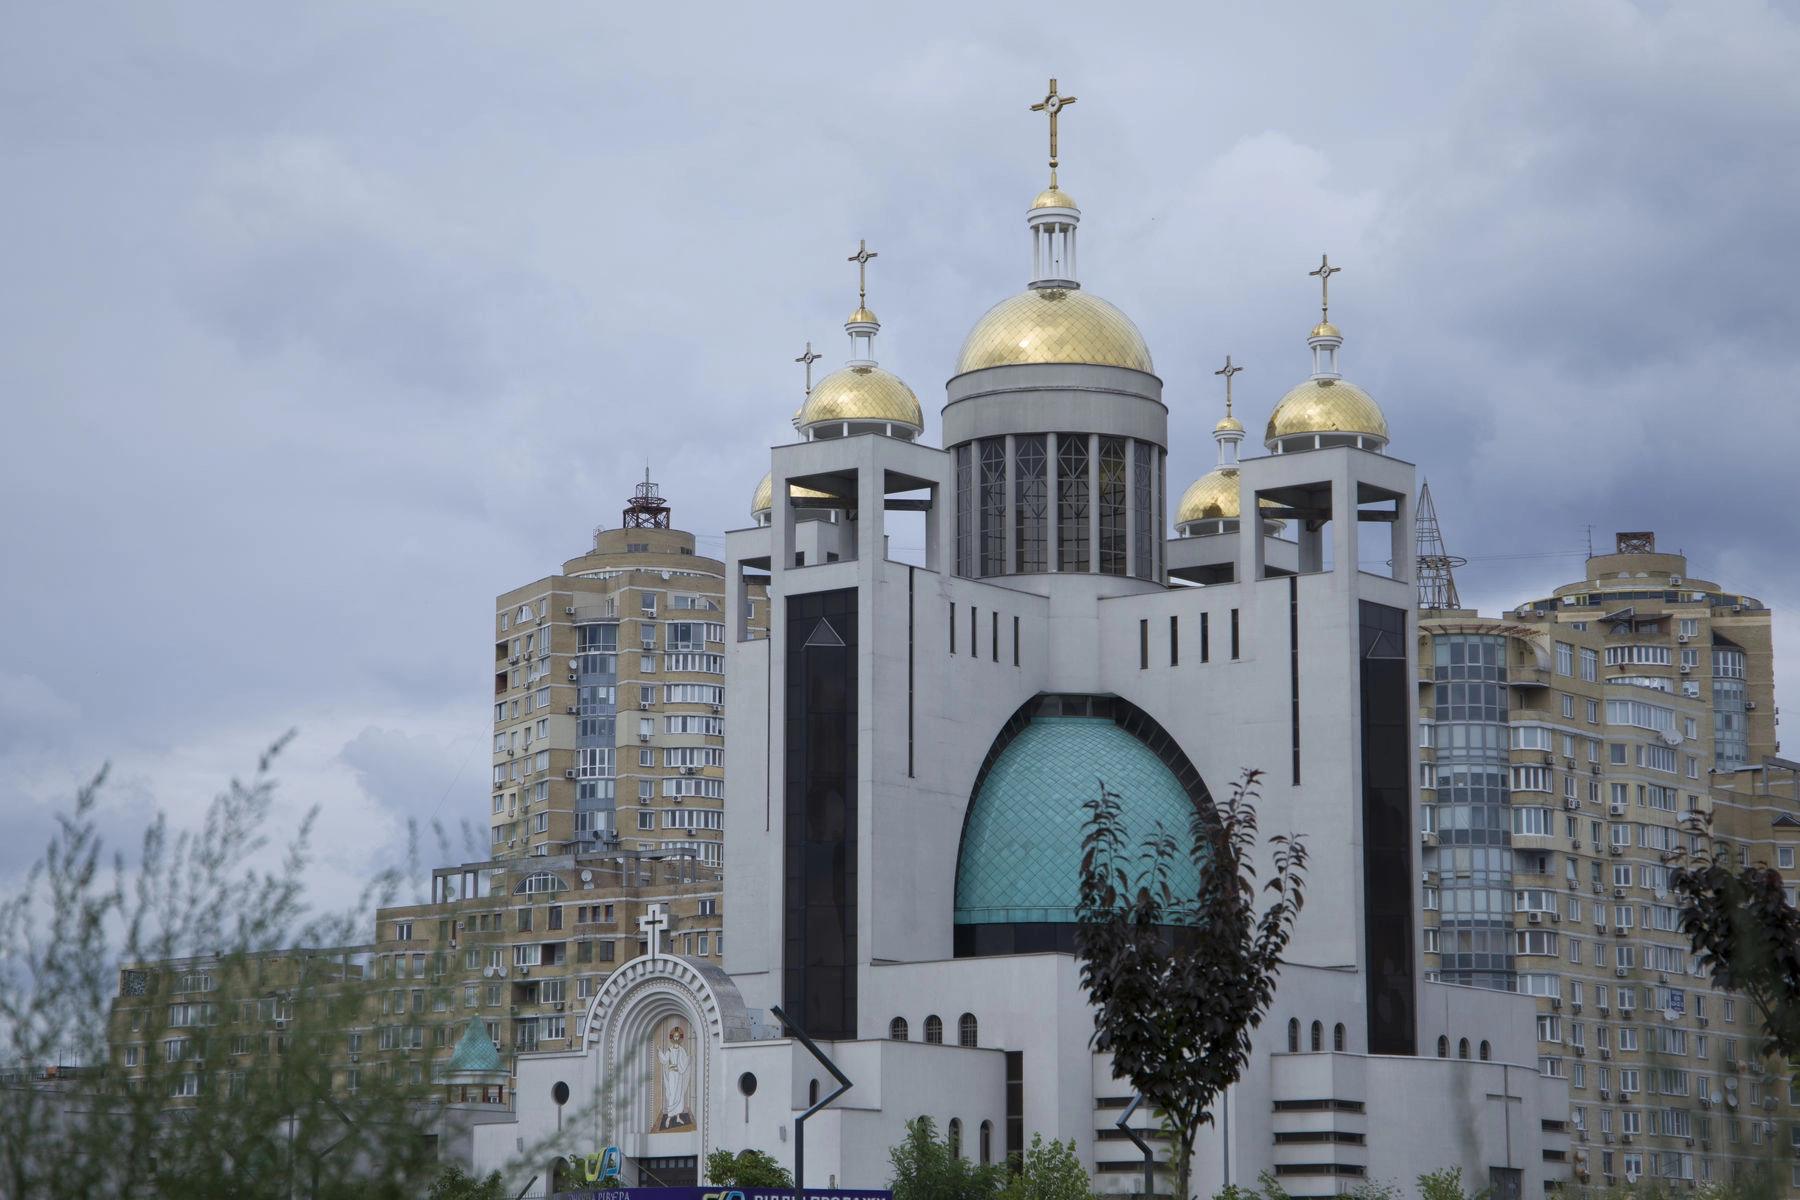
[1747, 937]
[225, 1071]
[1050, 1172]
[1178, 981]
[453, 1183]
[746, 1169]
[928, 1169]
[1446, 1184]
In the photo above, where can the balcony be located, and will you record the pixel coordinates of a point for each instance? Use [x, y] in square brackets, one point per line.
[1527, 677]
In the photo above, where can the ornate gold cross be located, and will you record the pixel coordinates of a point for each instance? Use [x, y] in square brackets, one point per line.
[1227, 371]
[809, 358]
[861, 259]
[1325, 272]
[1053, 104]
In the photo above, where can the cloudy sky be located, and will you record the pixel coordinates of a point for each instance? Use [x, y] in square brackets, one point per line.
[322, 324]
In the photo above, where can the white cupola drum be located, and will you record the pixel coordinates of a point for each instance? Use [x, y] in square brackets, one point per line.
[1053, 216]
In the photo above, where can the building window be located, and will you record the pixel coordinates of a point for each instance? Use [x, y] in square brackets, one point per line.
[993, 506]
[965, 511]
[1590, 666]
[967, 1031]
[1031, 511]
[953, 1137]
[1565, 659]
[1462, 1048]
[1072, 505]
[1443, 1046]
[1486, 1051]
[934, 1030]
[1318, 1036]
[987, 1141]
[1113, 501]
[1337, 1037]
[1293, 1035]
[897, 1030]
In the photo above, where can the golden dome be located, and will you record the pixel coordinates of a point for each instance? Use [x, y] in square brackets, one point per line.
[862, 316]
[1053, 197]
[1228, 422]
[1213, 495]
[862, 394]
[1051, 325]
[765, 491]
[1326, 406]
[1325, 329]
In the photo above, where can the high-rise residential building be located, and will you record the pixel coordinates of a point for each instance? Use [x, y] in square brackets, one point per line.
[1571, 752]
[609, 695]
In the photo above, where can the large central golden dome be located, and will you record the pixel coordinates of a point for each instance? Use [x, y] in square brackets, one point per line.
[1053, 325]
[862, 394]
[1326, 406]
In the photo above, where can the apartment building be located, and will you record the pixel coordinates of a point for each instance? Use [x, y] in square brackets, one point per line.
[1571, 753]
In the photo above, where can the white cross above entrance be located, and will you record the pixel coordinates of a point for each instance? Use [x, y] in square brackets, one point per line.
[652, 923]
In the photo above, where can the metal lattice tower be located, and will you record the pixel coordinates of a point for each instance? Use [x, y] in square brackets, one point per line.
[647, 509]
[1437, 578]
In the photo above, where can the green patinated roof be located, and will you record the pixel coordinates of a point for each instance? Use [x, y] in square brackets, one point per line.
[476, 1052]
[1021, 849]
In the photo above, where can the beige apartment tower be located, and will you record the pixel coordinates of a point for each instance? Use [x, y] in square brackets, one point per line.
[1570, 755]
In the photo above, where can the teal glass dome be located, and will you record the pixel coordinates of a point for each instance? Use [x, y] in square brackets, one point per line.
[1020, 862]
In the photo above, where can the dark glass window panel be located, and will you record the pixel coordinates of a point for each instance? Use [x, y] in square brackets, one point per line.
[965, 508]
[1031, 504]
[1387, 831]
[1142, 560]
[1072, 510]
[1110, 495]
[993, 506]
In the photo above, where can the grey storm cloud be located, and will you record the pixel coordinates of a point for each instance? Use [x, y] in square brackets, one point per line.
[321, 326]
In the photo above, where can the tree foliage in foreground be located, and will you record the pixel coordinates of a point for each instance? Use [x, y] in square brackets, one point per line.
[1176, 1018]
[1747, 937]
[926, 1168]
[238, 1085]
[746, 1169]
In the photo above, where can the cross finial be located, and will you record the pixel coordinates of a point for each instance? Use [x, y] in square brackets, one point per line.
[809, 358]
[652, 923]
[1227, 371]
[1325, 272]
[1053, 104]
[861, 259]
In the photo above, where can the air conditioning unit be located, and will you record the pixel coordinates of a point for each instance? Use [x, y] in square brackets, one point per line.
[1605, 1052]
[280, 1023]
[1702, 1021]
[569, 774]
[644, 704]
[573, 709]
[1605, 1011]
[1556, 1002]
[1674, 581]
[1571, 803]
[512, 1008]
[1626, 1139]
[1593, 768]
[1615, 851]
[1616, 808]
[513, 660]
[559, 1006]
[1550, 760]
[1682, 638]
[1705, 1102]
[1581, 1052]
[511, 753]
[1621, 972]
[1686, 670]
[1621, 931]
[1535, 918]
[643, 737]
[1618, 893]
[568, 612]
[1749, 706]
[717, 708]
[574, 675]
[1556, 918]
[1598, 888]
[1575, 1006]
[1574, 843]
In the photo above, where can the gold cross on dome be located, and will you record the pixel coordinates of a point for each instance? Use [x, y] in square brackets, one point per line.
[1227, 371]
[861, 259]
[1325, 272]
[1053, 104]
[809, 358]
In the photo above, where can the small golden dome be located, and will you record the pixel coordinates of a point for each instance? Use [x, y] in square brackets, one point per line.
[862, 394]
[1052, 325]
[1053, 197]
[765, 491]
[1214, 495]
[1325, 329]
[1326, 406]
[862, 316]
[1228, 422]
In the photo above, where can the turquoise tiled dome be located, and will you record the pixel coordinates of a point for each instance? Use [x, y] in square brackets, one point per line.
[1021, 848]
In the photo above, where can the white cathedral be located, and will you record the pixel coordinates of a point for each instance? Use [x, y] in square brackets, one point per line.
[912, 745]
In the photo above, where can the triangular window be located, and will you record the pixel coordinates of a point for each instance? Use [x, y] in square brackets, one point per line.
[824, 635]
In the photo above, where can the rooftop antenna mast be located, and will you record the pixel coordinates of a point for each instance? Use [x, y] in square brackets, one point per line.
[1437, 577]
[647, 509]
